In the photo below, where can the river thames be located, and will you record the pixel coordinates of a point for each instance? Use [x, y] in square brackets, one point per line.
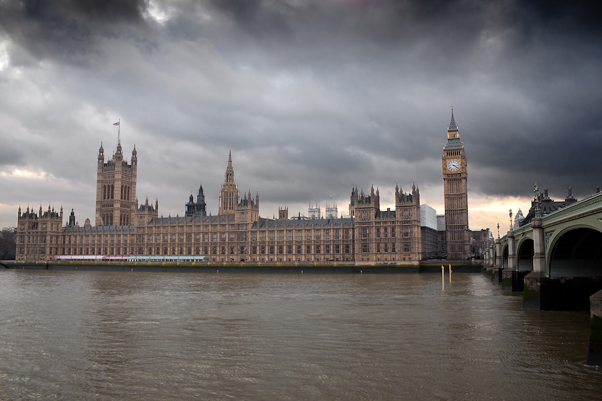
[159, 336]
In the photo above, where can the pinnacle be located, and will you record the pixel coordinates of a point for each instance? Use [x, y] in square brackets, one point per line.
[452, 123]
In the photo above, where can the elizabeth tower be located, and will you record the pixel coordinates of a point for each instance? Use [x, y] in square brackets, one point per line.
[455, 192]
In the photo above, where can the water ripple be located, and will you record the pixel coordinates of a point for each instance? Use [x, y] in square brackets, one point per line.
[120, 336]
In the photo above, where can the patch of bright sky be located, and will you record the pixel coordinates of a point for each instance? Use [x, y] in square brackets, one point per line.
[488, 211]
[284, 80]
[4, 59]
[26, 174]
[156, 12]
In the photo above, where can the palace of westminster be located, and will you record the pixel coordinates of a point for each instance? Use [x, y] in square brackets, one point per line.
[368, 235]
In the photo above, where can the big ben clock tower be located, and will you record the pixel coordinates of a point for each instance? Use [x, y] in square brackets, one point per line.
[455, 192]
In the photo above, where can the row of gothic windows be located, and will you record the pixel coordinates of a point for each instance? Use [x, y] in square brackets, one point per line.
[108, 192]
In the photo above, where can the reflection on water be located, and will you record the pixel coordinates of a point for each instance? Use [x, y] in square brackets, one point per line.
[146, 336]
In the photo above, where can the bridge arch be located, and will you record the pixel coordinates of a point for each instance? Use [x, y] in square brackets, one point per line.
[576, 252]
[524, 255]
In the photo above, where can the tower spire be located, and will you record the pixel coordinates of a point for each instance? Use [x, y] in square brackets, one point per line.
[229, 192]
[452, 123]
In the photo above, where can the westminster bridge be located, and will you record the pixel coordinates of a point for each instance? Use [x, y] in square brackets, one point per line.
[556, 260]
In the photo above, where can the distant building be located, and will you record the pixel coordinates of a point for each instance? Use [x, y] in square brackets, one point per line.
[298, 216]
[313, 212]
[441, 237]
[518, 219]
[428, 228]
[428, 217]
[331, 211]
[478, 242]
[547, 205]
[282, 213]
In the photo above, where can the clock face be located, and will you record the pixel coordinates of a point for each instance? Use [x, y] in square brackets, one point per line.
[453, 165]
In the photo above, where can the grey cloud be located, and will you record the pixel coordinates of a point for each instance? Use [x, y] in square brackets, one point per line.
[66, 29]
[313, 97]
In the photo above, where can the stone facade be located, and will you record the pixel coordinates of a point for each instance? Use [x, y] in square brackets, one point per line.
[237, 233]
[455, 190]
[386, 236]
[116, 188]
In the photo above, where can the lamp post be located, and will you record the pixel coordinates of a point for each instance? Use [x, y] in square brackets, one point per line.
[536, 194]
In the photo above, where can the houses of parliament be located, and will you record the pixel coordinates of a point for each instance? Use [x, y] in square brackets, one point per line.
[368, 235]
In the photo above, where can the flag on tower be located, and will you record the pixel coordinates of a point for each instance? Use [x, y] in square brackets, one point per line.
[117, 123]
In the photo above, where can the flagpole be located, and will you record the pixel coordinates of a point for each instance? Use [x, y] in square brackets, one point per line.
[119, 132]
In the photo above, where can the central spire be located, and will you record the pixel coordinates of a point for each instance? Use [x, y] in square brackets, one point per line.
[452, 123]
[229, 192]
[230, 169]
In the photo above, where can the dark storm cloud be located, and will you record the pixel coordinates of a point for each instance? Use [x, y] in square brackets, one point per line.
[313, 97]
[66, 29]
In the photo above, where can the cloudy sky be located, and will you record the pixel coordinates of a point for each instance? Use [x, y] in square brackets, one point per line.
[313, 97]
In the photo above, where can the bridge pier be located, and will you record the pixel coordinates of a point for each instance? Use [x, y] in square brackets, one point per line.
[559, 294]
[512, 280]
[533, 281]
[494, 268]
[489, 261]
[499, 262]
[594, 352]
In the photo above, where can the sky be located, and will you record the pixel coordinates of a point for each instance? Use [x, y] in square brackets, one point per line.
[313, 98]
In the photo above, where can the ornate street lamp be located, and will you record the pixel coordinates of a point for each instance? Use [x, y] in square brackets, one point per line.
[536, 193]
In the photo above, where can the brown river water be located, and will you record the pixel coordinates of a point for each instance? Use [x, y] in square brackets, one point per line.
[163, 336]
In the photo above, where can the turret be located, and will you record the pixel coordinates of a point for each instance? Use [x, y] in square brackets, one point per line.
[101, 157]
[72, 219]
[118, 156]
[134, 157]
[229, 192]
[200, 198]
[282, 213]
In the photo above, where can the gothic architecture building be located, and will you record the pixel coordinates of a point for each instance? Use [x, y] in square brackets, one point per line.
[123, 227]
[197, 208]
[116, 188]
[237, 233]
[455, 192]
